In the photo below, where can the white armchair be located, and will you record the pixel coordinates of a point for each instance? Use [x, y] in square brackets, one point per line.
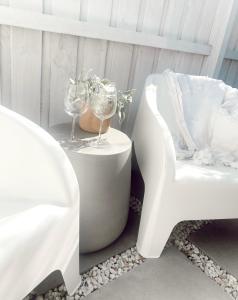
[39, 209]
[174, 190]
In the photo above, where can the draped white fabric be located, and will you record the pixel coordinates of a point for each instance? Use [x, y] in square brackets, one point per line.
[39, 209]
[206, 111]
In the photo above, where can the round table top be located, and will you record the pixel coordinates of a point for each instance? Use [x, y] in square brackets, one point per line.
[116, 141]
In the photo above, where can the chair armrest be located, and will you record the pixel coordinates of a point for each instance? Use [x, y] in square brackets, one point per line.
[153, 142]
[34, 167]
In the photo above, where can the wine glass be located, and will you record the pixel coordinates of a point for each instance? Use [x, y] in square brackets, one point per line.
[76, 103]
[103, 105]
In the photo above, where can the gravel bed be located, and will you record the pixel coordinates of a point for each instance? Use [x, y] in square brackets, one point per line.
[97, 276]
[227, 281]
[116, 266]
[136, 205]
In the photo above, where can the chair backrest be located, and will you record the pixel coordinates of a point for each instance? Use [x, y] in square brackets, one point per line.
[163, 101]
[33, 167]
[195, 99]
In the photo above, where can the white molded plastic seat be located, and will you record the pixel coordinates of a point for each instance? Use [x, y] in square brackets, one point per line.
[174, 190]
[39, 209]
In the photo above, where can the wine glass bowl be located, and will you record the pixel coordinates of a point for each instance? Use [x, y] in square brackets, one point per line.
[103, 105]
[76, 102]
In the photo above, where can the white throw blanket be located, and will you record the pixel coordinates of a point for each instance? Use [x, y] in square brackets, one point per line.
[206, 113]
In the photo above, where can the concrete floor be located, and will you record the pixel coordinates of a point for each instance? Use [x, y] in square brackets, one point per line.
[219, 240]
[125, 241]
[170, 277]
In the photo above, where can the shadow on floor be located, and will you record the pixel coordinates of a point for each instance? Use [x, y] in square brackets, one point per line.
[126, 240]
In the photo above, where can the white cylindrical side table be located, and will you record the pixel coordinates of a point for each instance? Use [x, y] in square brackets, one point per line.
[104, 176]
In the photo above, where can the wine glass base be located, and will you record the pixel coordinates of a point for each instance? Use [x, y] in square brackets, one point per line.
[99, 144]
[74, 145]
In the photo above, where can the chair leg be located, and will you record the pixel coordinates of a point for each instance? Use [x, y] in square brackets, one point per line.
[71, 275]
[153, 237]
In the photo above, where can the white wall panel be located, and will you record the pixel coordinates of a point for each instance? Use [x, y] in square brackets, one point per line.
[5, 67]
[92, 52]
[229, 70]
[35, 66]
[149, 20]
[26, 65]
[63, 60]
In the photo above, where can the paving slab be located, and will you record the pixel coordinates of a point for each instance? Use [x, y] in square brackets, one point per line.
[170, 277]
[126, 240]
[219, 240]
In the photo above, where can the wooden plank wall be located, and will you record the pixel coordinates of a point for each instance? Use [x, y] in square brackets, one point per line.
[229, 70]
[35, 66]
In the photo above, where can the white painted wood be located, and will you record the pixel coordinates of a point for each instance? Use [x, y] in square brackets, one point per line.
[225, 69]
[5, 62]
[45, 79]
[144, 36]
[235, 81]
[222, 27]
[92, 52]
[202, 34]
[26, 65]
[5, 65]
[231, 54]
[170, 27]
[232, 73]
[63, 61]
[233, 41]
[149, 20]
[37, 21]
[190, 21]
[46, 70]
[203, 31]
[144, 64]
[119, 56]
[229, 66]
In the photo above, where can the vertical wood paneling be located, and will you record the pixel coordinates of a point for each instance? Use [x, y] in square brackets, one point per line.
[229, 69]
[5, 62]
[235, 81]
[232, 73]
[224, 69]
[219, 37]
[124, 15]
[45, 79]
[35, 67]
[63, 60]
[26, 65]
[46, 70]
[203, 32]
[5, 65]
[190, 23]
[92, 53]
[171, 27]
[119, 56]
[151, 12]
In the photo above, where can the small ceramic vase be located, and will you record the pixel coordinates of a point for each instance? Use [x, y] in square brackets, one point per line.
[88, 122]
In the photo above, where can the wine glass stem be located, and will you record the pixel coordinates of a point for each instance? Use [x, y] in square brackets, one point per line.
[73, 137]
[100, 132]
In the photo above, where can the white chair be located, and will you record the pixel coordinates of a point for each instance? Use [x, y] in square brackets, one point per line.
[174, 190]
[39, 209]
